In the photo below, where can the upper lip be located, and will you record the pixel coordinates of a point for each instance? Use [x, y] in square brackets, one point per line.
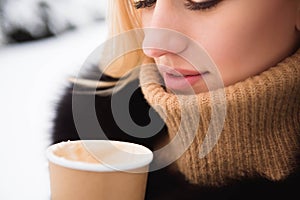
[179, 72]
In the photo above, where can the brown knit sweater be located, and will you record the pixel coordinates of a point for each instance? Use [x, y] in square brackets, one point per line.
[260, 134]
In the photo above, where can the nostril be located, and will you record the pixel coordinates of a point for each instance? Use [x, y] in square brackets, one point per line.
[153, 52]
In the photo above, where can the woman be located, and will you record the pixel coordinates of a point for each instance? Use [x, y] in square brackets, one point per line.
[254, 45]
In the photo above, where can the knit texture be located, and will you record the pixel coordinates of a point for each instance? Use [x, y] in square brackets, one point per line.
[260, 134]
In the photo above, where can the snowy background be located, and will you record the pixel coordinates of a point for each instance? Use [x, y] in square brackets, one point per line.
[33, 73]
[23, 20]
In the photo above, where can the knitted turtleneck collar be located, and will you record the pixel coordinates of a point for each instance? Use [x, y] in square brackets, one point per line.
[260, 135]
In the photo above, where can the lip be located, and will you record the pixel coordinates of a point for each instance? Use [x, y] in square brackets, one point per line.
[179, 72]
[181, 83]
[180, 79]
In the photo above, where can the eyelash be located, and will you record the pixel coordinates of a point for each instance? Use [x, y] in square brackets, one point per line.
[205, 5]
[144, 4]
[189, 4]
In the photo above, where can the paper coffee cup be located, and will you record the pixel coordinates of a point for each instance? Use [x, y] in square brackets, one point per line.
[98, 169]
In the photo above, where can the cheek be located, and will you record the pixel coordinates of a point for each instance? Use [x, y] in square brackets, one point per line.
[229, 49]
[243, 44]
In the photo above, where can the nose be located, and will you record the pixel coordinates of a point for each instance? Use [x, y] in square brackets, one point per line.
[158, 42]
[163, 33]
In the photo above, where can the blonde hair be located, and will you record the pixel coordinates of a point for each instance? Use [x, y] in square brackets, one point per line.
[121, 18]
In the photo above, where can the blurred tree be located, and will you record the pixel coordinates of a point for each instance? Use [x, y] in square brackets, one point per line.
[27, 20]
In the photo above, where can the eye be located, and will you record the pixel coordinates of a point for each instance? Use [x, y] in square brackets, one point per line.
[144, 3]
[204, 5]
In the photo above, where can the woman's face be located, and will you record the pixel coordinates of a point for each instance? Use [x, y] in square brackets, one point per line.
[243, 37]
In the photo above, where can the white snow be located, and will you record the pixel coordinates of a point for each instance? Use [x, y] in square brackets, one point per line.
[30, 15]
[32, 76]
[22, 13]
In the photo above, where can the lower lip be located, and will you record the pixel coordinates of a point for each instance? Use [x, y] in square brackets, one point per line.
[181, 83]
